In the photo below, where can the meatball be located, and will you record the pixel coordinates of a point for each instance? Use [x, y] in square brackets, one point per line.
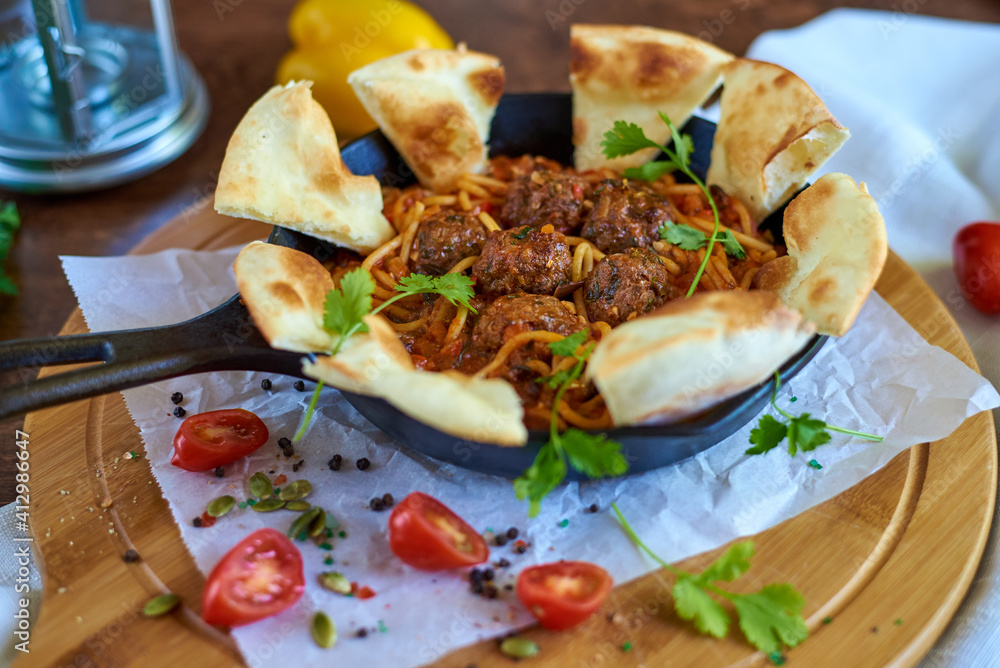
[522, 260]
[625, 216]
[511, 315]
[635, 281]
[445, 239]
[542, 198]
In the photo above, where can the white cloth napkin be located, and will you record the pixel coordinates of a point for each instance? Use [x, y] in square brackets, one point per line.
[921, 97]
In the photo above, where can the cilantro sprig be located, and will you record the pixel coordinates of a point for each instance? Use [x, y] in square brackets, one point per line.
[804, 432]
[627, 138]
[594, 455]
[10, 221]
[345, 308]
[770, 619]
[688, 238]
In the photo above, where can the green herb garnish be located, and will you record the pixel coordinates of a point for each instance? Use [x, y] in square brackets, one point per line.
[770, 618]
[688, 238]
[803, 432]
[627, 138]
[10, 221]
[345, 308]
[592, 454]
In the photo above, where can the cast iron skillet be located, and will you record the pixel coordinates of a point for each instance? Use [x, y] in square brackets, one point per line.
[226, 339]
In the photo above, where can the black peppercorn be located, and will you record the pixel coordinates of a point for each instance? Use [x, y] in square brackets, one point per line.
[488, 574]
[512, 533]
[362, 633]
[503, 563]
[388, 500]
[220, 472]
[300, 386]
[593, 508]
[179, 412]
[297, 465]
[335, 462]
[196, 522]
[501, 539]
[490, 591]
[475, 575]
[476, 587]
[130, 556]
[363, 464]
[176, 397]
[376, 504]
[265, 384]
[283, 443]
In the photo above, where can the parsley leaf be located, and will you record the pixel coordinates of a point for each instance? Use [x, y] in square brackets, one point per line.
[772, 617]
[694, 604]
[684, 237]
[767, 435]
[625, 139]
[456, 288]
[651, 170]
[346, 306]
[523, 233]
[732, 564]
[543, 476]
[804, 432]
[557, 379]
[567, 346]
[10, 221]
[730, 244]
[594, 455]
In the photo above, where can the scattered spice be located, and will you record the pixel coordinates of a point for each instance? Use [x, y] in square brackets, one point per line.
[363, 464]
[364, 593]
[323, 630]
[815, 464]
[335, 462]
[336, 582]
[130, 556]
[161, 605]
[179, 412]
[500, 539]
[518, 648]
[382, 628]
[777, 658]
[627, 647]
[281, 479]
[827, 620]
[328, 561]
[266, 384]
[388, 500]
[502, 563]
[564, 524]
[177, 398]
[196, 522]
[106, 503]
[899, 622]
[220, 472]
[284, 442]
[207, 520]
[299, 385]
[520, 547]
[377, 504]
[362, 633]
[297, 465]
[874, 629]
[512, 533]
[593, 508]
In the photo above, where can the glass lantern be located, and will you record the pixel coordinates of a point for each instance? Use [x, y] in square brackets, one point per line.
[92, 94]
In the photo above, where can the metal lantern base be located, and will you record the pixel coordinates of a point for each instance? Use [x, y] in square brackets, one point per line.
[125, 155]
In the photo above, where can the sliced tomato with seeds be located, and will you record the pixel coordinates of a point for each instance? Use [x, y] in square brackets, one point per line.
[209, 440]
[976, 251]
[260, 577]
[560, 595]
[427, 535]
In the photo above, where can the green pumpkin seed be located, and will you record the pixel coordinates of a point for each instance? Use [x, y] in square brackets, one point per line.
[161, 605]
[318, 526]
[302, 522]
[294, 491]
[267, 505]
[335, 582]
[331, 522]
[298, 505]
[519, 648]
[323, 630]
[220, 506]
[260, 485]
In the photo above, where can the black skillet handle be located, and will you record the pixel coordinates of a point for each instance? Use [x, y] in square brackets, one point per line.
[221, 339]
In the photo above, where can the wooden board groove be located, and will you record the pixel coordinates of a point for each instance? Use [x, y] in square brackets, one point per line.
[858, 557]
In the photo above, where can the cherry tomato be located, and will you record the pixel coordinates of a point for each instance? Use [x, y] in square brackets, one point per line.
[208, 440]
[563, 594]
[427, 535]
[977, 265]
[261, 576]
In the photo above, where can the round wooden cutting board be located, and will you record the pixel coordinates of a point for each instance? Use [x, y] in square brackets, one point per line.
[886, 563]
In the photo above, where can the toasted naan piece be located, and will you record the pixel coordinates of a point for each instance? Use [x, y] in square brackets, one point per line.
[285, 292]
[436, 107]
[773, 133]
[283, 167]
[631, 73]
[376, 364]
[692, 353]
[836, 250]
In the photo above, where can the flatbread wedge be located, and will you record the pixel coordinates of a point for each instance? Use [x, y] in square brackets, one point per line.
[836, 250]
[285, 292]
[692, 353]
[773, 133]
[631, 73]
[283, 167]
[436, 107]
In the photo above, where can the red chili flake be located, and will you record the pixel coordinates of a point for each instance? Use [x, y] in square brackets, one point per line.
[281, 479]
[365, 593]
[354, 587]
[520, 547]
[207, 520]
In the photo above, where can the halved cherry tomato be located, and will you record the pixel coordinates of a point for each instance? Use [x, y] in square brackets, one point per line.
[427, 535]
[563, 594]
[208, 440]
[977, 265]
[261, 576]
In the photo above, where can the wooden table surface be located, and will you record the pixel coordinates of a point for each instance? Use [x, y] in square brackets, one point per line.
[237, 51]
